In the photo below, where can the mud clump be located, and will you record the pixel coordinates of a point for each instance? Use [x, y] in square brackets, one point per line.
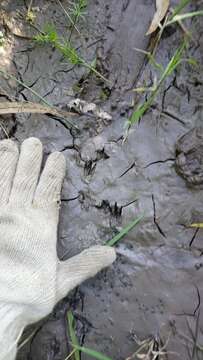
[189, 157]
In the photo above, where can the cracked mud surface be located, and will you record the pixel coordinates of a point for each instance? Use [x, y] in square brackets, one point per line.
[156, 285]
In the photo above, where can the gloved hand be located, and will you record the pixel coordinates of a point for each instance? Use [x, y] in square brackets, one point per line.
[32, 279]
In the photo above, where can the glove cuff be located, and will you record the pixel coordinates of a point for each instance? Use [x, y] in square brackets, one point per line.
[11, 328]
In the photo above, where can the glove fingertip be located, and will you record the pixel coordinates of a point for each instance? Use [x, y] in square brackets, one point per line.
[104, 254]
[111, 254]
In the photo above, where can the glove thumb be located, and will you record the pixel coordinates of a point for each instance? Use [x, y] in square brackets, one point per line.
[77, 269]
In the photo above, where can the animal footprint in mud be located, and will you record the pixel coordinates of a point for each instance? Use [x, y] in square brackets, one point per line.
[157, 308]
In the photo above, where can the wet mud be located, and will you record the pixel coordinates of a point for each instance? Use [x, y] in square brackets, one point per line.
[155, 288]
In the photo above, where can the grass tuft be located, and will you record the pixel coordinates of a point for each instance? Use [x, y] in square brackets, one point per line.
[49, 36]
[78, 9]
[175, 60]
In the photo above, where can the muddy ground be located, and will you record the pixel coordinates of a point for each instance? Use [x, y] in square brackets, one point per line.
[155, 288]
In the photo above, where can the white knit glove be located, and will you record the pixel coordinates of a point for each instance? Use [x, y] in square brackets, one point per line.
[32, 279]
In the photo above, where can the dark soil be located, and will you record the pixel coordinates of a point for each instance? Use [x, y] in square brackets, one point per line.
[189, 159]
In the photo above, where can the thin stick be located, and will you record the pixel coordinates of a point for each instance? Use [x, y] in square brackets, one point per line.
[69, 17]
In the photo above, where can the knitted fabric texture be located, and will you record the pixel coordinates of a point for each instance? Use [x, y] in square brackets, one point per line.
[32, 279]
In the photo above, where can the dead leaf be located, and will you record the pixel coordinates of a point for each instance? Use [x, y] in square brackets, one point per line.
[161, 9]
[197, 225]
[14, 107]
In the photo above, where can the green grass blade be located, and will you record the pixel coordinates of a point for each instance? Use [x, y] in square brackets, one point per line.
[92, 353]
[142, 108]
[124, 231]
[6, 74]
[74, 339]
[92, 68]
[171, 66]
[181, 17]
[173, 63]
[151, 58]
[154, 62]
[180, 7]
